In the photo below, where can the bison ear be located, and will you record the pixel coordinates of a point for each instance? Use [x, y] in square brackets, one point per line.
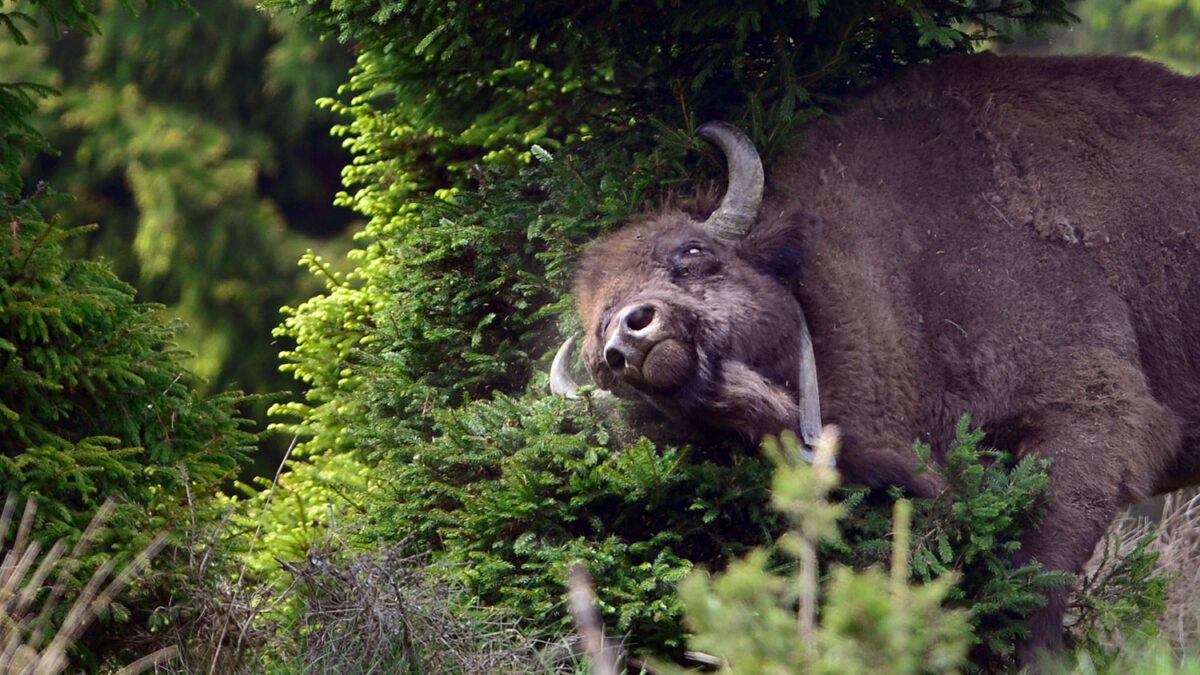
[778, 247]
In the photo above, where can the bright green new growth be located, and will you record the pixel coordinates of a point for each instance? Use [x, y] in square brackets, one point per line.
[758, 619]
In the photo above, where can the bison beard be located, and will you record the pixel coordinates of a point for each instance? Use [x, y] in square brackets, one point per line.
[1015, 238]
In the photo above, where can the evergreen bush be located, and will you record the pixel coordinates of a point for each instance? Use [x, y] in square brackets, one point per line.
[758, 618]
[440, 86]
[950, 581]
[94, 398]
[512, 491]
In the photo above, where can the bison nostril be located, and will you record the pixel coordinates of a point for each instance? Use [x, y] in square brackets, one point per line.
[614, 358]
[639, 317]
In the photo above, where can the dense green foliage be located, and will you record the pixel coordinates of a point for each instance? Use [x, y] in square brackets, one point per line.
[972, 532]
[457, 296]
[514, 491]
[761, 618]
[94, 396]
[447, 83]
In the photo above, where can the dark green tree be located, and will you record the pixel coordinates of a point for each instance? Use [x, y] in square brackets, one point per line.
[191, 133]
[96, 397]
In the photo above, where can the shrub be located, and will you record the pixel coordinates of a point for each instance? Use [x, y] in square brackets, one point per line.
[511, 492]
[761, 615]
[94, 398]
[758, 620]
[95, 403]
[973, 529]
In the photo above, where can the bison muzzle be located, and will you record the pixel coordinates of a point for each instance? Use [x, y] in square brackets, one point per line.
[1015, 238]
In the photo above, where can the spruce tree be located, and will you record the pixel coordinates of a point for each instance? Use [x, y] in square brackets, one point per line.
[191, 135]
[96, 398]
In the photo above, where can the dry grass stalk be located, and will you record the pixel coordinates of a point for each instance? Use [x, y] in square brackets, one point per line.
[220, 619]
[379, 611]
[376, 611]
[602, 656]
[1178, 545]
[22, 631]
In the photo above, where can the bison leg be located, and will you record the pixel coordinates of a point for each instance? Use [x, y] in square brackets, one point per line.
[1106, 451]
[1075, 521]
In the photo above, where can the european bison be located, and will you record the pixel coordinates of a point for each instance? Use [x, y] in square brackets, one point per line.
[1016, 238]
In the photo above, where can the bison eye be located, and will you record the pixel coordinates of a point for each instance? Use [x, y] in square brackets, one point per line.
[694, 260]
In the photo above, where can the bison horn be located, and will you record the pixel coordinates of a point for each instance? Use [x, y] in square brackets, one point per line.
[561, 382]
[810, 395]
[739, 206]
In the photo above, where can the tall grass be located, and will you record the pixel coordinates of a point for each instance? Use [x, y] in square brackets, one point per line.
[34, 635]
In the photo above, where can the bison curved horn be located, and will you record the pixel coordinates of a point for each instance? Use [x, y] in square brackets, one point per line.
[561, 382]
[739, 206]
[810, 395]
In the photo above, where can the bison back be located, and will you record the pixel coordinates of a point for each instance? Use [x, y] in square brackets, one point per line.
[967, 177]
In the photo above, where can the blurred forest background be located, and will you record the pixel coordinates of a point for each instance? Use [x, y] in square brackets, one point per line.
[192, 136]
[385, 273]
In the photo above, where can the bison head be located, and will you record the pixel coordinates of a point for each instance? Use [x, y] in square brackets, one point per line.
[698, 318]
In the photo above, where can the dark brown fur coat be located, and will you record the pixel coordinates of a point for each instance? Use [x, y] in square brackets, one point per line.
[1018, 239]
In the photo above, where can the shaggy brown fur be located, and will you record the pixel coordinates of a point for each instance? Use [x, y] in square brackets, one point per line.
[1015, 238]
